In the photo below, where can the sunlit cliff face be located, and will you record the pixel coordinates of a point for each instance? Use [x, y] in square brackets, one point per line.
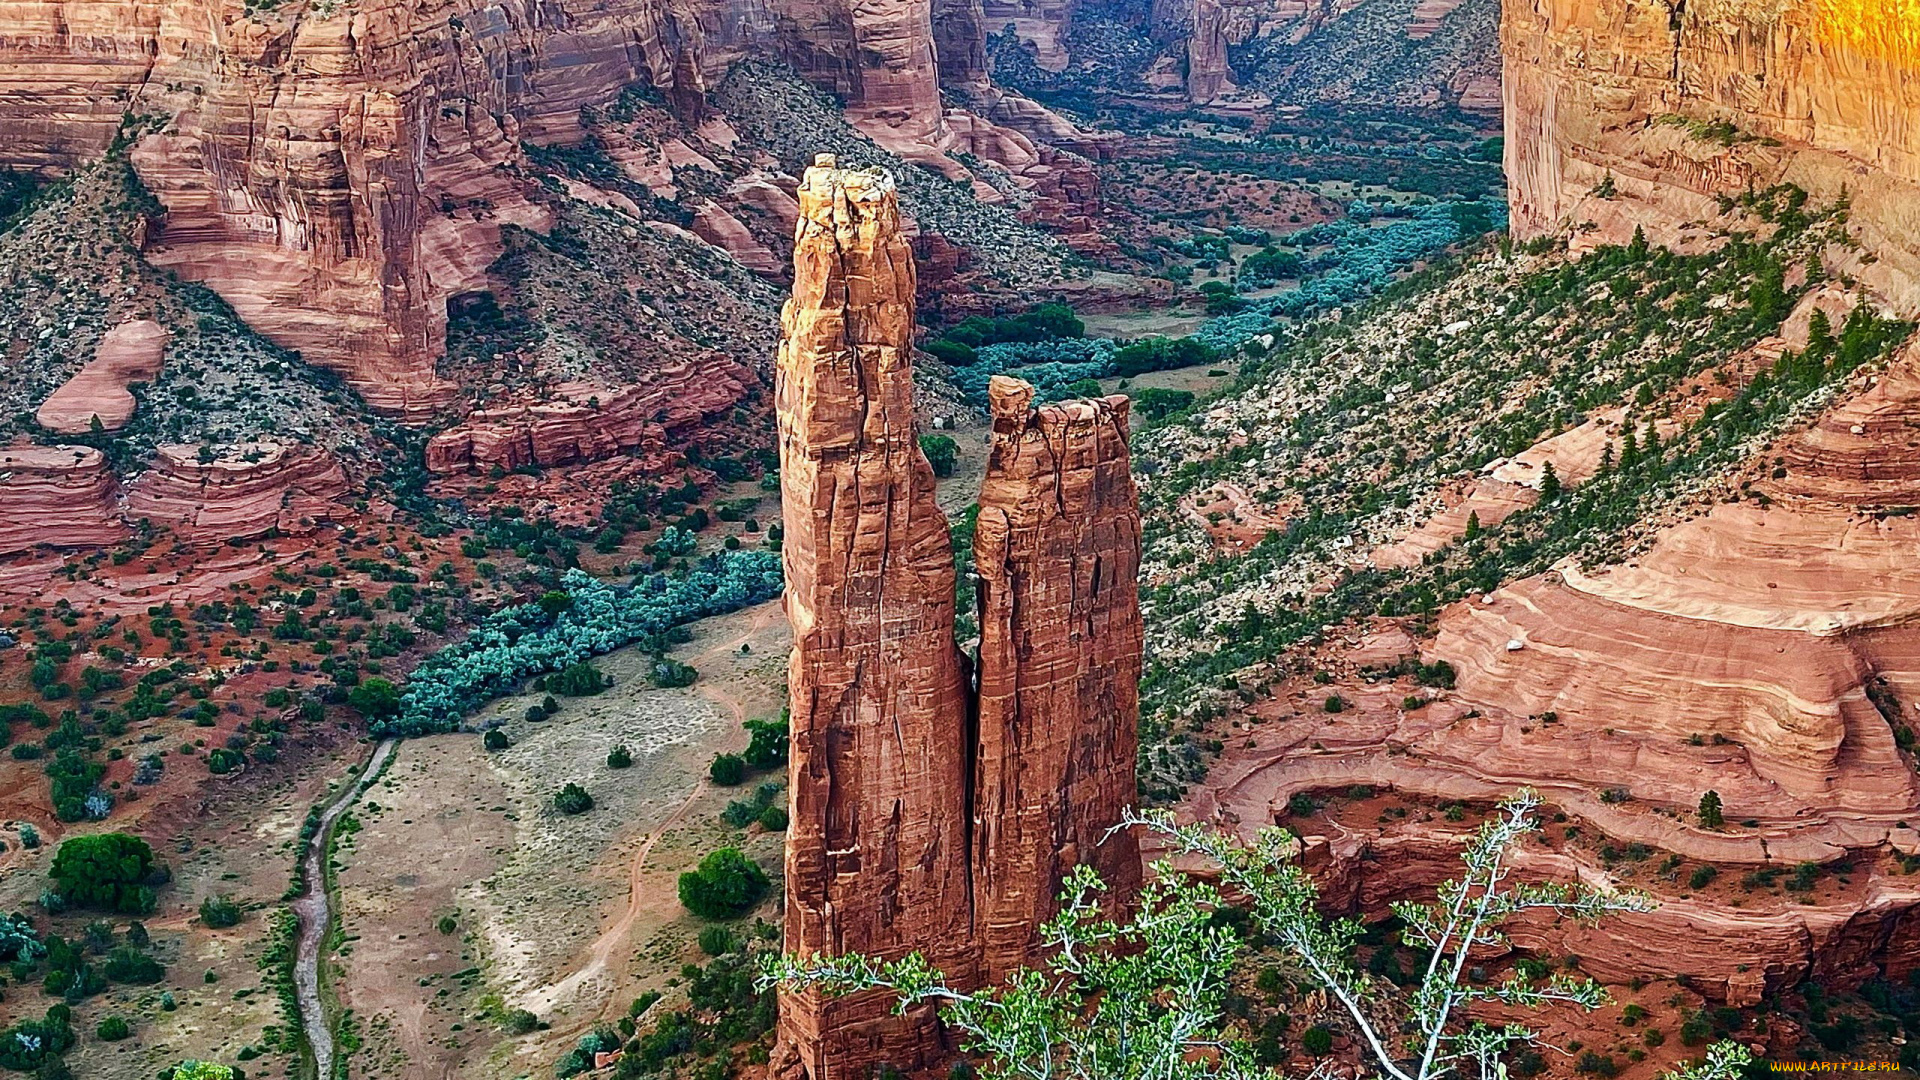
[1884, 29]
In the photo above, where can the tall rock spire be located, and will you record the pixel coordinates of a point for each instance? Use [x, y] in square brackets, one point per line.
[923, 819]
[1058, 551]
[876, 851]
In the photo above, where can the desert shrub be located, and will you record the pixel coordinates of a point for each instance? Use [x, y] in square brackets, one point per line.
[1317, 1040]
[727, 769]
[27, 1044]
[219, 911]
[1702, 876]
[1154, 403]
[577, 680]
[668, 673]
[717, 940]
[495, 739]
[105, 871]
[1161, 354]
[766, 744]
[129, 965]
[774, 818]
[726, 885]
[516, 643]
[572, 799]
[112, 1029]
[375, 698]
[519, 1022]
[619, 758]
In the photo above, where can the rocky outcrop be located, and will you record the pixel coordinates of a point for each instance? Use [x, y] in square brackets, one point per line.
[235, 492]
[1624, 114]
[130, 352]
[60, 496]
[1057, 546]
[584, 422]
[876, 852]
[910, 830]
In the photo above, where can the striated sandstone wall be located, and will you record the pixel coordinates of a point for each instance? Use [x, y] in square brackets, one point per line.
[1818, 93]
[585, 422]
[923, 819]
[337, 170]
[61, 496]
[1057, 545]
[242, 491]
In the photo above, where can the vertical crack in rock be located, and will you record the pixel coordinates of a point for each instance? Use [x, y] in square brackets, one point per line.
[982, 789]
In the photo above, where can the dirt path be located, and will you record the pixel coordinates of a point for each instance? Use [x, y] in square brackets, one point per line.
[612, 939]
[315, 915]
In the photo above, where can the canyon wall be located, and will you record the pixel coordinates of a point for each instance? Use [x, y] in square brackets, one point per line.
[1624, 114]
[336, 171]
[922, 819]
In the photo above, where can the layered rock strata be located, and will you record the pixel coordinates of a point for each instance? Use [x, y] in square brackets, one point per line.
[242, 491]
[585, 422]
[911, 830]
[338, 171]
[1626, 114]
[60, 496]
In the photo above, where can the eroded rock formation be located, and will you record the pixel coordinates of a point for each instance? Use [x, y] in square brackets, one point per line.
[241, 491]
[130, 352]
[584, 422]
[899, 841]
[1057, 545]
[876, 852]
[338, 171]
[61, 496]
[1623, 113]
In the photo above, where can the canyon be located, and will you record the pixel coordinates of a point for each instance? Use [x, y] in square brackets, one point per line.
[890, 775]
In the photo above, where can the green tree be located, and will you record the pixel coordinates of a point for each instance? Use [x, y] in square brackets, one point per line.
[1711, 816]
[112, 1029]
[727, 769]
[572, 799]
[201, 1070]
[376, 698]
[942, 453]
[106, 871]
[219, 911]
[726, 885]
[1151, 993]
[495, 739]
[1549, 483]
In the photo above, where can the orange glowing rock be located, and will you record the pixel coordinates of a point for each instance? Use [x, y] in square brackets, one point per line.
[1885, 29]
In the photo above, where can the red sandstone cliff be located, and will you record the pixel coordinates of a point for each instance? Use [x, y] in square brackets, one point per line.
[338, 171]
[1804, 92]
[911, 830]
[61, 496]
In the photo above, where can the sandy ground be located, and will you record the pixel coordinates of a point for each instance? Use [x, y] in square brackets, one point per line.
[570, 917]
[242, 846]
